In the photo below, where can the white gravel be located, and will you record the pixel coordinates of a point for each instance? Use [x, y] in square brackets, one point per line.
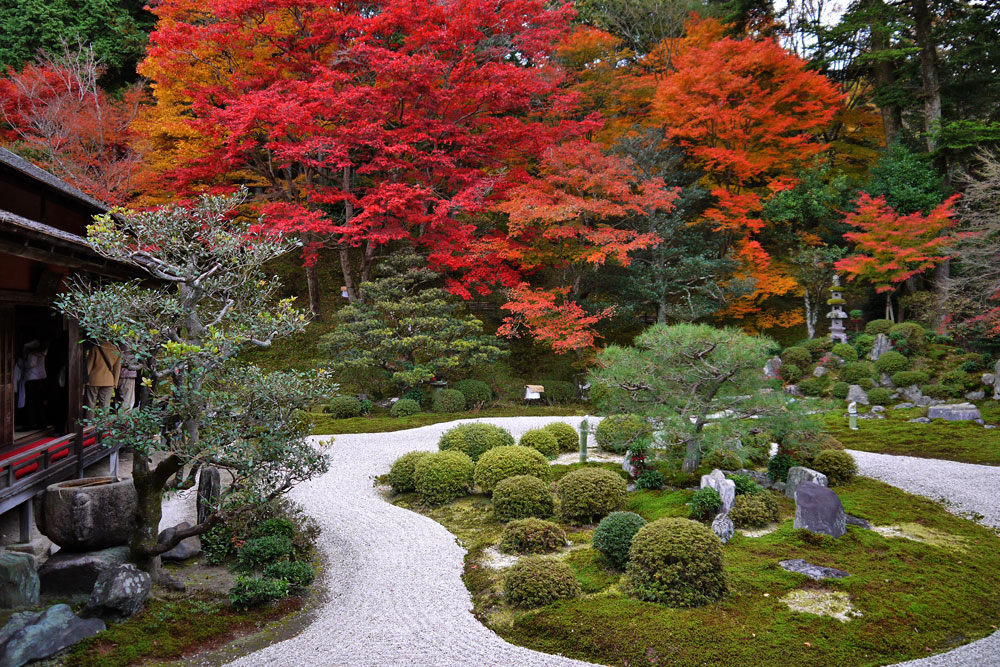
[395, 596]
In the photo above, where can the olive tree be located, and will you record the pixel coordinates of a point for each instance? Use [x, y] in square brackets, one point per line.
[207, 298]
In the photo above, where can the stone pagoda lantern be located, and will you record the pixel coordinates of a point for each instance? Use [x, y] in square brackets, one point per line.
[837, 315]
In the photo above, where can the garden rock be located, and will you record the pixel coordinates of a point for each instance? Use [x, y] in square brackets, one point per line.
[209, 488]
[925, 401]
[32, 636]
[878, 409]
[884, 380]
[920, 420]
[187, 548]
[859, 522]
[772, 369]
[18, 580]
[723, 527]
[88, 514]
[881, 345]
[119, 593]
[903, 406]
[76, 573]
[954, 412]
[814, 572]
[857, 395]
[989, 425]
[819, 510]
[799, 474]
[761, 478]
[819, 371]
[975, 395]
[912, 394]
[726, 488]
[793, 390]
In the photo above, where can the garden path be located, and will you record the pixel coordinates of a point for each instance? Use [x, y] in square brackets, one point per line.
[395, 596]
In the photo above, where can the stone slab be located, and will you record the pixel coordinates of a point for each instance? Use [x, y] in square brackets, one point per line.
[76, 573]
[814, 572]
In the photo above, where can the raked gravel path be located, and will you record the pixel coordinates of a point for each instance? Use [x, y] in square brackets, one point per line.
[395, 596]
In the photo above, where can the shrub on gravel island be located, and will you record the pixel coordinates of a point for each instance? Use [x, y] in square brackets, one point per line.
[500, 463]
[476, 392]
[616, 433]
[404, 407]
[344, 407]
[474, 439]
[441, 477]
[588, 494]
[705, 504]
[532, 536]
[400, 476]
[448, 400]
[542, 440]
[537, 581]
[522, 497]
[838, 466]
[754, 510]
[613, 536]
[567, 436]
[676, 562]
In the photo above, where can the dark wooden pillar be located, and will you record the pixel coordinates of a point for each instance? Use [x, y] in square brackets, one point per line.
[74, 376]
[7, 360]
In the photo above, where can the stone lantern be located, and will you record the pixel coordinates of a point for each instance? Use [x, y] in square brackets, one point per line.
[837, 315]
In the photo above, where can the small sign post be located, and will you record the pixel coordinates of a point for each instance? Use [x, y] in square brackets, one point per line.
[852, 415]
[584, 432]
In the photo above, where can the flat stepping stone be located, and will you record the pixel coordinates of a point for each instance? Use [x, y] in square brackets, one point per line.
[814, 572]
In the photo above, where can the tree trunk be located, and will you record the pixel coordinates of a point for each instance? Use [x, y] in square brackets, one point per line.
[942, 283]
[348, 273]
[149, 489]
[692, 455]
[661, 313]
[888, 307]
[929, 76]
[884, 74]
[811, 315]
[312, 285]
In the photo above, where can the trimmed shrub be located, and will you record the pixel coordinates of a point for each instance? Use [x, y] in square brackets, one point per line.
[745, 485]
[840, 389]
[959, 379]
[796, 355]
[911, 334]
[791, 372]
[879, 396]
[344, 407]
[261, 551]
[297, 574]
[441, 477]
[863, 344]
[500, 463]
[778, 465]
[522, 497]
[616, 433]
[907, 378]
[876, 327]
[676, 562]
[754, 511]
[866, 383]
[940, 391]
[838, 466]
[705, 504]
[854, 372]
[723, 459]
[559, 392]
[537, 581]
[401, 474]
[613, 536]
[474, 439]
[814, 386]
[567, 436]
[253, 592]
[448, 400]
[542, 440]
[892, 362]
[277, 526]
[532, 536]
[417, 394]
[588, 494]
[817, 347]
[476, 392]
[845, 352]
[651, 480]
[404, 407]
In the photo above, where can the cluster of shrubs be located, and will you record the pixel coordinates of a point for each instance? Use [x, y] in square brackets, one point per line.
[616, 433]
[345, 407]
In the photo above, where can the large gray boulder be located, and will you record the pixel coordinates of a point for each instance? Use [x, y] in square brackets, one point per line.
[187, 548]
[88, 514]
[799, 474]
[723, 527]
[119, 593]
[880, 346]
[209, 489]
[819, 510]
[726, 488]
[68, 573]
[954, 412]
[19, 585]
[37, 635]
[856, 394]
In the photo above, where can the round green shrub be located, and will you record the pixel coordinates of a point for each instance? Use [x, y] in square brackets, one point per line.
[651, 480]
[778, 465]
[441, 477]
[474, 439]
[705, 504]
[866, 383]
[838, 466]
[723, 459]
[940, 391]
[522, 497]
[588, 494]
[754, 511]
[613, 536]
[863, 344]
[417, 394]
[907, 378]
[262, 551]
[879, 396]
[796, 355]
[959, 379]
[253, 592]
[911, 332]
[537, 581]
[297, 574]
[404, 407]
[817, 347]
[876, 327]
[892, 362]
[559, 392]
[791, 372]
[344, 407]
[856, 371]
[448, 400]
[542, 440]
[532, 536]
[840, 389]
[845, 352]
[476, 392]
[814, 386]
[616, 433]
[745, 485]
[401, 474]
[676, 562]
[566, 436]
[499, 463]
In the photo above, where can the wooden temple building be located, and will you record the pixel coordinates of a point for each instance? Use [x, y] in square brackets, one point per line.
[43, 223]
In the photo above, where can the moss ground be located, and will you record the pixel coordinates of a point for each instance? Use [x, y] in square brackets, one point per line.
[968, 442]
[915, 597]
[381, 422]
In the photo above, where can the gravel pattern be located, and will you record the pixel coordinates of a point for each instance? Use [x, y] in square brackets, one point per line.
[395, 596]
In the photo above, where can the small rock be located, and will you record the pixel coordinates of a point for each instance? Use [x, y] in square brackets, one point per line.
[19, 585]
[858, 521]
[884, 380]
[761, 478]
[981, 422]
[912, 394]
[793, 390]
[880, 346]
[772, 369]
[39, 635]
[877, 409]
[954, 412]
[799, 474]
[819, 510]
[779, 487]
[726, 488]
[76, 573]
[989, 425]
[120, 592]
[857, 395]
[819, 371]
[925, 401]
[920, 420]
[975, 395]
[723, 527]
[903, 406]
[814, 572]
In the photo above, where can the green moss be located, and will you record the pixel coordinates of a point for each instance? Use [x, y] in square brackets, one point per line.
[380, 421]
[594, 575]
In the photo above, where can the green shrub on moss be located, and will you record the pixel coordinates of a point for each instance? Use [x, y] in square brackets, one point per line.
[588, 494]
[401, 474]
[404, 407]
[417, 395]
[474, 439]
[542, 440]
[676, 562]
[796, 355]
[262, 551]
[813, 386]
[863, 344]
[537, 581]
[616, 433]
[791, 372]
[532, 536]
[297, 574]
[250, 592]
[838, 466]
[566, 436]
[876, 327]
[892, 362]
[522, 497]
[879, 396]
[344, 407]
[723, 459]
[908, 334]
[476, 392]
[778, 465]
[754, 511]
[854, 372]
[907, 378]
[651, 480]
[441, 477]
[817, 347]
[559, 392]
[745, 485]
[705, 504]
[613, 536]
[960, 380]
[499, 463]
[941, 391]
[845, 352]
[840, 390]
[448, 400]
